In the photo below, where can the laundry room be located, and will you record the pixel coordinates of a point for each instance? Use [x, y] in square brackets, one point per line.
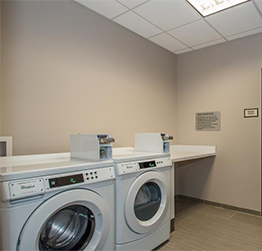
[115, 98]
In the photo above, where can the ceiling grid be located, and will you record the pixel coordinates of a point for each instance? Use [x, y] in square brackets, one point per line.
[176, 26]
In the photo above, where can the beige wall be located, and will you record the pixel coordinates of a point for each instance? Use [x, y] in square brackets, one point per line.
[67, 69]
[225, 78]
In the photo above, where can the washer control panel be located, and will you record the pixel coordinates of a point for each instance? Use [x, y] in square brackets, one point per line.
[74, 179]
[27, 188]
[131, 167]
[66, 180]
[92, 175]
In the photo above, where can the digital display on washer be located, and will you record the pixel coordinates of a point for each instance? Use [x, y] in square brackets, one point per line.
[66, 180]
[148, 164]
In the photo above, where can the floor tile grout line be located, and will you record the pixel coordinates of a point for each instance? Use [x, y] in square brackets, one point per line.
[233, 215]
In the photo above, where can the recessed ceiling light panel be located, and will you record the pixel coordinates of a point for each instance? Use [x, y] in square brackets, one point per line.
[208, 7]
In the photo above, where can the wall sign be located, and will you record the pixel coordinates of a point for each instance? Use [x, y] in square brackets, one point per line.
[208, 121]
[251, 113]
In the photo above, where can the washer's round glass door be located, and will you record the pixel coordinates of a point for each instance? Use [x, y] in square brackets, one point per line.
[68, 229]
[147, 201]
[77, 219]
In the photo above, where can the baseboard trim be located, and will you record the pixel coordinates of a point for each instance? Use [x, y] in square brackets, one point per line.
[216, 204]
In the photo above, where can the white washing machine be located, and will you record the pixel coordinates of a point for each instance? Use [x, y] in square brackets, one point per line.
[142, 190]
[57, 206]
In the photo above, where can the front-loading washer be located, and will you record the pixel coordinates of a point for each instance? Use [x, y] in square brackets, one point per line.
[57, 206]
[142, 197]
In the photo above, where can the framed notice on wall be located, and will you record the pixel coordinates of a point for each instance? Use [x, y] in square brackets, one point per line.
[251, 113]
[208, 121]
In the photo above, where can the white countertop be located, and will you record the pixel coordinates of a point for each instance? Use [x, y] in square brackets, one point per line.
[25, 168]
[178, 153]
[190, 152]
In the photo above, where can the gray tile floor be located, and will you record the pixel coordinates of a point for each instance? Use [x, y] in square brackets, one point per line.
[204, 227]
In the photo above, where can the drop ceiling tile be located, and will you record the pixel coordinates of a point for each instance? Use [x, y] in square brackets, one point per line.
[259, 4]
[132, 3]
[107, 8]
[244, 34]
[235, 20]
[195, 33]
[168, 42]
[137, 24]
[168, 14]
[183, 51]
[200, 46]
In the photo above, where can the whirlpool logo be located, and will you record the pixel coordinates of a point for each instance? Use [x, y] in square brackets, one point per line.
[27, 187]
